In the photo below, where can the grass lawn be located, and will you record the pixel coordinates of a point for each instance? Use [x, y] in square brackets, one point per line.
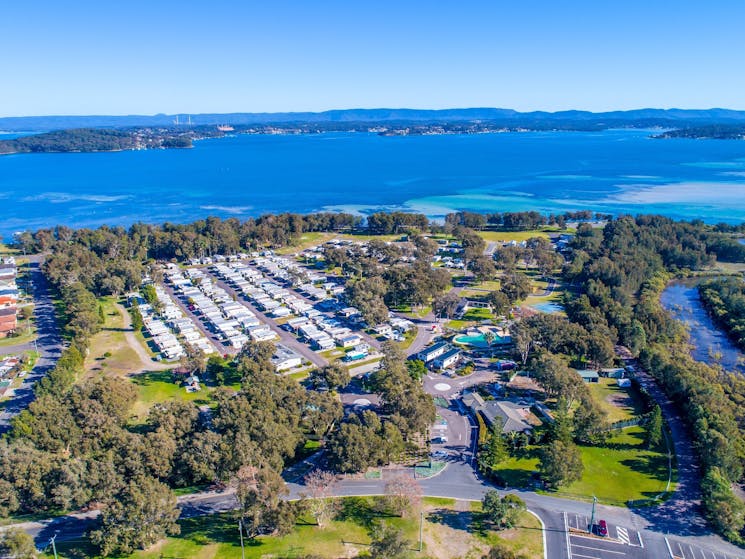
[460, 324]
[517, 471]
[409, 338]
[446, 532]
[525, 538]
[299, 376]
[447, 535]
[307, 240]
[475, 315]
[512, 235]
[122, 359]
[25, 337]
[155, 387]
[621, 404]
[363, 238]
[623, 470]
[5, 249]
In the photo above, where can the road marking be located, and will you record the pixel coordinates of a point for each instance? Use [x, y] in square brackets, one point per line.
[623, 535]
[599, 549]
[566, 531]
[639, 535]
[543, 532]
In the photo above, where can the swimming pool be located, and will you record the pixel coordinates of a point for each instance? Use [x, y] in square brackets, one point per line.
[548, 307]
[479, 340]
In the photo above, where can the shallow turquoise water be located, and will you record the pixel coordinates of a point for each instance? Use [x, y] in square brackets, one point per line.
[617, 171]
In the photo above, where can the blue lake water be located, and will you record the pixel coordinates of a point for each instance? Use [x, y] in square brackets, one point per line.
[709, 343]
[617, 171]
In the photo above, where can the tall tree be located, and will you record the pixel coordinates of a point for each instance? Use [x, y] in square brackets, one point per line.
[403, 494]
[320, 485]
[561, 464]
[143, 513]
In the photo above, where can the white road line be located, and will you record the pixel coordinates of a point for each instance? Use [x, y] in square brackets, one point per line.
[599, 549]
[623, 535]
[566, 531]
[587, 556]
[669, 549]
[543, 532]
[639, 535]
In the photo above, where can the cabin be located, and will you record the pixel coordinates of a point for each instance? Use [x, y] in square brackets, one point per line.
[433, 352]
[448, 359]
[589, 375]
[284, 358]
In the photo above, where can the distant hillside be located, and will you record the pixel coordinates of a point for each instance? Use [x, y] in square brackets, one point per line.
[93, 140]
[635, 117]
[709, 132]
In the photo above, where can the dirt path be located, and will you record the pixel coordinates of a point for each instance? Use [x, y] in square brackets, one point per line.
[147, 362]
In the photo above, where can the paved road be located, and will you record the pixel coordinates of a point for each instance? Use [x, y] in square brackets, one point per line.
[285, 337]
[49, 343]
[681, 513]
[650, 533]
[211, 337]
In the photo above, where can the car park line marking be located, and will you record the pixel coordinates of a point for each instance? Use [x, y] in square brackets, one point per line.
[587, 556]
[599, 549]
[639, 535]
[669, 549]
[623, 535]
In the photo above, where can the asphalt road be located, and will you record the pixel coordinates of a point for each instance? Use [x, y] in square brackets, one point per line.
[673, 529]
[285, 337]
[48, 342]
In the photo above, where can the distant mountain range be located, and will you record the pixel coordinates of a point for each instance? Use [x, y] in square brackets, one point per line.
[676, 118]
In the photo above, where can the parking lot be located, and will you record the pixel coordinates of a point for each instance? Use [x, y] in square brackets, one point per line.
[620, 543]
[682, 550]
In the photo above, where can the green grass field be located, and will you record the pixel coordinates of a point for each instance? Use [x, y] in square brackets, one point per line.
[517, 472]
[121, 359]
[497, 236]
[307, 240]
[620, 404]
[622, 471]
[447, 534]
[526, 538]
[155, 387]
[472, 317]
[363, 238]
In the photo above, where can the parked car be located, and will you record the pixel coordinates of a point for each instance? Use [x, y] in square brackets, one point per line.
[602, 528]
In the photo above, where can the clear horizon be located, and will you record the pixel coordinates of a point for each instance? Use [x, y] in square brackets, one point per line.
[138, 58]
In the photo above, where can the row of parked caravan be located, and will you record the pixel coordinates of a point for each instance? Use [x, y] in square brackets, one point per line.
[231, 322]
[163, 325]
[320, 331]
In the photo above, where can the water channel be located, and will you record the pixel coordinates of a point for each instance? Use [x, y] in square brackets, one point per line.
[681, 300]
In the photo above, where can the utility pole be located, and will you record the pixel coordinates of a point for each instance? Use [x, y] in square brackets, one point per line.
[421, 528]
[54, 547]
[592, 517]
[240, 531]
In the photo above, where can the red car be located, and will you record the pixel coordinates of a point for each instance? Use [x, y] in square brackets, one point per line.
[602, 528]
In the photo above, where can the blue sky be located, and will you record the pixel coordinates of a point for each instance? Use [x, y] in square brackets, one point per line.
[145, 57]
